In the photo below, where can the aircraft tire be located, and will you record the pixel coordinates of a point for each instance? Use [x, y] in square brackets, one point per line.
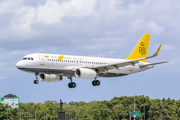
[36, 81]
[97, 82]
[93, 83]
[72, 85]
[69, 85]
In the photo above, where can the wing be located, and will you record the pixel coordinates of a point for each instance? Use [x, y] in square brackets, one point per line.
[143, 66]
[107, 67]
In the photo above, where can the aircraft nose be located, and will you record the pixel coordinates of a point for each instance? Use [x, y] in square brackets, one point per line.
[19, 64]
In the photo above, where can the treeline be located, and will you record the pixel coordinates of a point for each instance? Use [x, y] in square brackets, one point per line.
[118, 108]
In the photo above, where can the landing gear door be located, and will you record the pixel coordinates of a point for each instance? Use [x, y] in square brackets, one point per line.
[41, 60]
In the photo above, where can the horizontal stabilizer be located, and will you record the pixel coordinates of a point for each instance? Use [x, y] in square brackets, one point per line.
[143, 66]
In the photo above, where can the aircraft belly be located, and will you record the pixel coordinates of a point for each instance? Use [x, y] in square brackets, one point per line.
[49, 71]
[111, 74]
[68, 72]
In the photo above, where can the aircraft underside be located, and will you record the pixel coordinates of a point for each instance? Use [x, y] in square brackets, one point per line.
[69, 72]
[58, 75]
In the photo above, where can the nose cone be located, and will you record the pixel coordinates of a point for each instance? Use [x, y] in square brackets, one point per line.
[19, 65]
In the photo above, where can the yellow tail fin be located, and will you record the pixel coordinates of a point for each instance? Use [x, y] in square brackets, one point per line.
[141, 48]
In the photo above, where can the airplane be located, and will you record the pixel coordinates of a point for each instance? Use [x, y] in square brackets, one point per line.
[52, 67]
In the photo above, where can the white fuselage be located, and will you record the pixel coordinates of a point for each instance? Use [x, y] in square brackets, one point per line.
[49, 64]
[52, 67]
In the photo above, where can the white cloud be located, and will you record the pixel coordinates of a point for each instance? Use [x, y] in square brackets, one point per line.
[18, 52]
[92, 25]
[156, 29]
[9, 6]
[52, 11]
[168, 47]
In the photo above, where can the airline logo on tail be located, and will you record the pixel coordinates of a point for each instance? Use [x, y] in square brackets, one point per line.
[142, 49]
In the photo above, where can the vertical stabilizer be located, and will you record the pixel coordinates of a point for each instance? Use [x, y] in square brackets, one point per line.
[141, 48]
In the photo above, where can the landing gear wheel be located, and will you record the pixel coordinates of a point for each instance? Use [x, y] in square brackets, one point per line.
[95, 82]
[72, 85]
[69, 85]
[36, 81]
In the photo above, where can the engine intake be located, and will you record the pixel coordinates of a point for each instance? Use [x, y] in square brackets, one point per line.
[85, 73]
[50, 77]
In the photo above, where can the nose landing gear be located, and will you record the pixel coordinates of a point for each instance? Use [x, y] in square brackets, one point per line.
[36, 81]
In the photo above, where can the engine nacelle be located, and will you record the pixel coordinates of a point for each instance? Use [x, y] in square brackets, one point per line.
[85, 73]
[50, 77]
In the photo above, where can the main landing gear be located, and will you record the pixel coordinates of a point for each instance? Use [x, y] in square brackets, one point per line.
[36, 81]
[71, 84]
[95, 82]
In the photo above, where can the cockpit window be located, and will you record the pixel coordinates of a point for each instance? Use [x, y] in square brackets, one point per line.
[29, 58]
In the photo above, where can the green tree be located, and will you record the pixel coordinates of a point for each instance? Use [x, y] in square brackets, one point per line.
[5, 112]
[118, 107]
[120, 111]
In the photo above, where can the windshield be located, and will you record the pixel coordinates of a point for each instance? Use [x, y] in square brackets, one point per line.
[28, 58]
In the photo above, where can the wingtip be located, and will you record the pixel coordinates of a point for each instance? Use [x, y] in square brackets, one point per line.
[157, 52]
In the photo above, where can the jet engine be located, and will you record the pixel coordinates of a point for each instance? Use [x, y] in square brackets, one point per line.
[85, 73]
[50, 77]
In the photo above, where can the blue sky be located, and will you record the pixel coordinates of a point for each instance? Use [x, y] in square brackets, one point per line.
[105, 28]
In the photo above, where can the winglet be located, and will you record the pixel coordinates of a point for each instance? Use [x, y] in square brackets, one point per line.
[157, 52]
